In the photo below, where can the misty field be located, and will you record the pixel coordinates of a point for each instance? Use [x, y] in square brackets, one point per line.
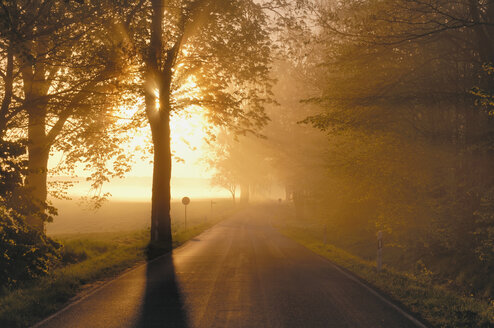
[118, 215]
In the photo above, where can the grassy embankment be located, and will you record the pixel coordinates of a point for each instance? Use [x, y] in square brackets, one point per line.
[437, 303]
[88, 260]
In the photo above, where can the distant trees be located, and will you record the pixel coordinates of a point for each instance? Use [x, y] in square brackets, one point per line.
[240, 163]
[297, 157]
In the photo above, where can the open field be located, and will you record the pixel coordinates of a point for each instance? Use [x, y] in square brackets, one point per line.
[96, 247]
[117, 215]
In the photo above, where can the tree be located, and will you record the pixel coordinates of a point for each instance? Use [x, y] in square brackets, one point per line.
[239, 161]
[223, 48]
[26, 252]
[227, 180]
[407, 138]
[61, 69]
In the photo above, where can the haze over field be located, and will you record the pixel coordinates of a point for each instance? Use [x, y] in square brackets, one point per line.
[127, 215]
[138, 189]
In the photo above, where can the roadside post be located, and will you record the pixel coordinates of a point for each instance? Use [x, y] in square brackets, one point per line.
[325, 234]
[379, 250]
[185, 201]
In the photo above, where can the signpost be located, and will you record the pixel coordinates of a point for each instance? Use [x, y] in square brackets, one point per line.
[185, 201]
[379, 250]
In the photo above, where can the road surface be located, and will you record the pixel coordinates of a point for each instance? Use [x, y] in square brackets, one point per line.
[240, 273]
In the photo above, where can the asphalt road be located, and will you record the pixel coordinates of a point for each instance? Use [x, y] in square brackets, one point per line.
[241, 273]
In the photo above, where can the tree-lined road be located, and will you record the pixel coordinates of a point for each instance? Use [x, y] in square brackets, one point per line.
[240, 273]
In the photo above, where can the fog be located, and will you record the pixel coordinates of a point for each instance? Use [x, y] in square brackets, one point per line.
[357, 118]
[138, 189]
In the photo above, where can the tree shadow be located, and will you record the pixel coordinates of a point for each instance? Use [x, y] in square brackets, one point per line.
[163, 305]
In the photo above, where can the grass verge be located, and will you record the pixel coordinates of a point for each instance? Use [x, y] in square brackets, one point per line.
[87, 259]
[436, 304]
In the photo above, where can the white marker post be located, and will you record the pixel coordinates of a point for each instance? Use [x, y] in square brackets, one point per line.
[379, 250]
[185, 201]
[325, 234]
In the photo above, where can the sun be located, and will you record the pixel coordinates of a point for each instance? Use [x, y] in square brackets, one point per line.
[188, 128]
[188, 134]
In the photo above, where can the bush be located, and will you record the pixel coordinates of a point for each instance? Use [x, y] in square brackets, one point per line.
[25, 253]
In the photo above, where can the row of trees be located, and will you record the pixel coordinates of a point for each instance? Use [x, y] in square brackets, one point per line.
[78, 76]
[405, 89]
[402, 92]
[421, 66]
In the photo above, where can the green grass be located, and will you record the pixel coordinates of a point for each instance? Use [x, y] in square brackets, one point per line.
[437, 304]
[87, 258]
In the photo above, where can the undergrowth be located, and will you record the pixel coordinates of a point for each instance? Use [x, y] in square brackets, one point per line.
[438, 305]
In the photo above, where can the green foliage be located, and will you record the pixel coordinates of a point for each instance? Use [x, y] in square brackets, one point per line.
[485, 97]
[14, 195]
[12, 169]
[26, 252]
[410, 147]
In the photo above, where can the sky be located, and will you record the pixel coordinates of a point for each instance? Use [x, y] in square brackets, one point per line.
[188, 145]
[190, 175]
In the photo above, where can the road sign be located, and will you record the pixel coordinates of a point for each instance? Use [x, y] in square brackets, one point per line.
[185, 201]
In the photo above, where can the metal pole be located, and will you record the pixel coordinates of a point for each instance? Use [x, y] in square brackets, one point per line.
[185, 223]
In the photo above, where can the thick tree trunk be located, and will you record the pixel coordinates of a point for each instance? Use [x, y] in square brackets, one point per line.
[159, 120]
[36, 179]
[36, 85]
[160, 202]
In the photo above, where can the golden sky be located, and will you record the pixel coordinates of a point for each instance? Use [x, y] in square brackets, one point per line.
[188, 144]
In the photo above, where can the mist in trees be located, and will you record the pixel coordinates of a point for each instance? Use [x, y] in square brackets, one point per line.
[403, 90]
[384, 122]
[371, 115]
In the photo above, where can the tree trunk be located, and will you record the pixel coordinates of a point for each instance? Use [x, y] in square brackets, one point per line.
[35, 86]
[299, 202]
[160, 201]
[244, 193]
[8, 91]
[36, 179]
[159, 120]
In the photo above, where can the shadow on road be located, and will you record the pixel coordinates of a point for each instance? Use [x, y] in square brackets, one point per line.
[163, 305]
